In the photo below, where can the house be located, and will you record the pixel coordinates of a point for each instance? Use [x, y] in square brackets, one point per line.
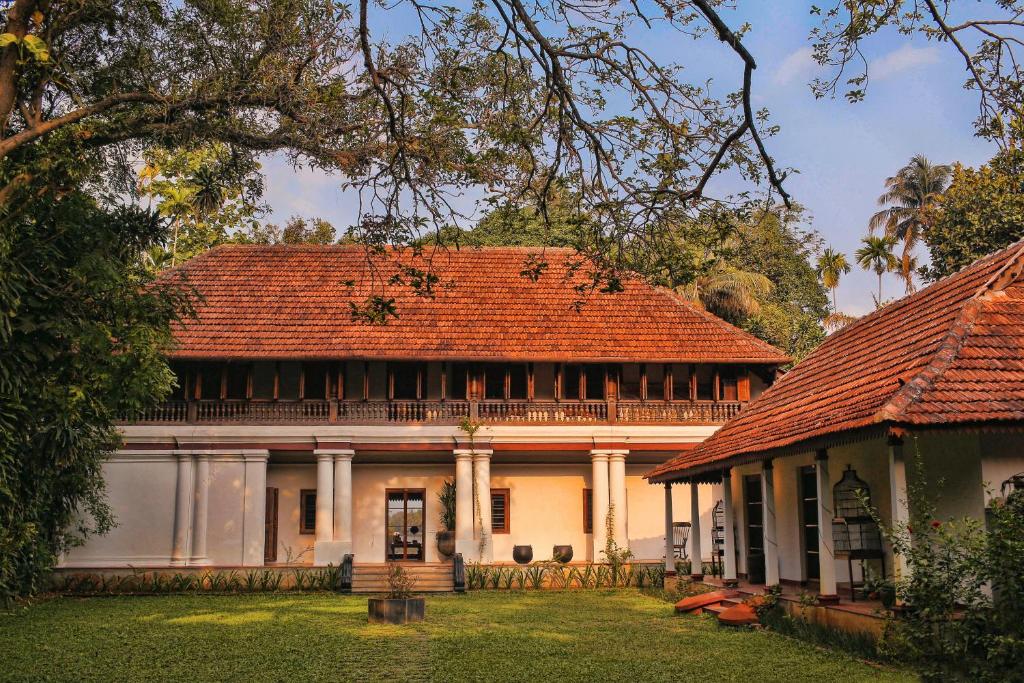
[301, 431]
[931, 386]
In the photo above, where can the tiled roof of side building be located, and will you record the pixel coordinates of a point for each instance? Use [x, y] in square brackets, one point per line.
[952, 353]
[279, 302]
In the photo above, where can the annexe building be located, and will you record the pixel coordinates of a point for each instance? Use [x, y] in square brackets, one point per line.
[302, 430]
[931, 385]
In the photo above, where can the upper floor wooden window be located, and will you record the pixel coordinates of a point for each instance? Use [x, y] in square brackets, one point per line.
[406, 381]
[500, 511]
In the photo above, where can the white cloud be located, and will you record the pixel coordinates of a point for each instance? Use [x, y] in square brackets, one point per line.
[901, 59]
[798, 65]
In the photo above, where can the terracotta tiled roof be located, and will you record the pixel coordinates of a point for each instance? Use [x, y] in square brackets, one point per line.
[951, 353]
[295, 302]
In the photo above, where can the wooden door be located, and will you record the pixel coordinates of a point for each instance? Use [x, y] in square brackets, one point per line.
[809, 521]
[270, 527]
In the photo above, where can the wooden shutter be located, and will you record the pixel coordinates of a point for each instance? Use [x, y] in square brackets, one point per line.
[743, 386]
[588, 511]
[270, 527]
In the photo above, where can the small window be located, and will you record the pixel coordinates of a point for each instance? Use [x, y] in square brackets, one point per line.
[705, 383]
[680, 383]
[494, 381]
[288, 384]
[406, 380]
[180, 371]
[594, 375]
[458, 386]
[655, 382]
[208, 381]
[355, 375]
[317, 377]
[517, 382]
[499, 511]
[588, 511]
[629, 382]
[572, 382]
[263, 380]
[728, 385]
[307, 511]
[238, 380]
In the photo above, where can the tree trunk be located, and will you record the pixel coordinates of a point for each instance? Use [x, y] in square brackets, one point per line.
[17, 23]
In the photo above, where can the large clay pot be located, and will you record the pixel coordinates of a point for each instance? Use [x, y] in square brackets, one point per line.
[388, 611]
[522, 554]
[446, 543]
[562, 553]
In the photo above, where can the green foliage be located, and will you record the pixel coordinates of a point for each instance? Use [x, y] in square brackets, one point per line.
[400, 583]
[982, 211]
[83, 337]
[952, 626]
[296, 230]
[446, 499]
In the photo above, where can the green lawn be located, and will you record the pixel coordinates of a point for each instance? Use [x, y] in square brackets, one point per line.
[570, 636]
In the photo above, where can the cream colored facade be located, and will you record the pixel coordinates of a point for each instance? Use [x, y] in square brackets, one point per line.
[963, 471]
[196, 496]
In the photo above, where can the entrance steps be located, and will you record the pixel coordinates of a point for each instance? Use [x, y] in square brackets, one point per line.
[428, 577]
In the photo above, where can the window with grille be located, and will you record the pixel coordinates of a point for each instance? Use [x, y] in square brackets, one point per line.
[499, 511]
[307, 511]
[588, 511]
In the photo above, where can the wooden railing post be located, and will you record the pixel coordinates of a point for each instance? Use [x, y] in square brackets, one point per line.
[474, 410]
[332, 410]
[191, 412]
[613, 412]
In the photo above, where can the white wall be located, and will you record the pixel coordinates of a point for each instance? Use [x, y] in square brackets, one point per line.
[1002, 458]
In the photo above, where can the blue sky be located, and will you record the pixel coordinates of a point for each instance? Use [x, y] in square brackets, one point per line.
[916, 104]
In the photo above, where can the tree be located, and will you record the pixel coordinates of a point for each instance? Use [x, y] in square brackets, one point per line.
[296, 231]
[877, 255]
[729, 292]
[909, 197]
[832, 265]
[982, 211]
[83, 336]
[207, 192]
[984, 37]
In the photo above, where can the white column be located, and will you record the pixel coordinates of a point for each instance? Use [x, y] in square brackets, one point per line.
[482, 475]
[826, 551]
[898, 499]
[670, 557]
[771, 539]
[599, 488]
[324, 508]
[617, 496]
[254, 507]
[696, 554]
[464, 504]
[343, 502]
[729, 570]
[200, 509]
[182, 510]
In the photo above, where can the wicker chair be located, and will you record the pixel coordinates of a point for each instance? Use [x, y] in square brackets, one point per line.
[680, 534]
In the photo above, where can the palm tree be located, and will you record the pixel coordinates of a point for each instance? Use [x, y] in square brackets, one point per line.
[177, 202]
[877, 255]
[909, 196]
[832, 265]
[728, 292]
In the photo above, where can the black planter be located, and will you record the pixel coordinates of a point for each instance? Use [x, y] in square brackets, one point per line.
[389, 611]
[522, 554]
[562, 553]
[446, 543]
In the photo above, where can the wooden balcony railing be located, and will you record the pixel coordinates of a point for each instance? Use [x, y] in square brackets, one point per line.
[435, 412]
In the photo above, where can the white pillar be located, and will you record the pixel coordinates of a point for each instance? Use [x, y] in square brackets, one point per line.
[464, 504]
[482, 475]
[826, 550]
[898, 499]
[200, 509]
[182, 510]
[771, 539]
[670, 557]
[729, 570]
[324, 508]
[696, 554]
[617, 496]
[343, 502]
[254, 507]
[599, 488]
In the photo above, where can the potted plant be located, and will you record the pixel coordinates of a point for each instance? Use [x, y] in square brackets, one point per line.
[561, 553]
[446, 537]
[398, 606]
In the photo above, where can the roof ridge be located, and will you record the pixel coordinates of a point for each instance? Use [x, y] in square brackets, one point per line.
[949, 349]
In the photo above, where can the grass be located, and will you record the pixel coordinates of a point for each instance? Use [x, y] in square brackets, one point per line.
[494, 636]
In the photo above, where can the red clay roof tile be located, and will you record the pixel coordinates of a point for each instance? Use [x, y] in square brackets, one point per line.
[295, 302]
[950, 353]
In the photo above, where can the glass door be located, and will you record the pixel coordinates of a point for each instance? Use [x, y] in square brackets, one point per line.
[809, 515]
[405, 514]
